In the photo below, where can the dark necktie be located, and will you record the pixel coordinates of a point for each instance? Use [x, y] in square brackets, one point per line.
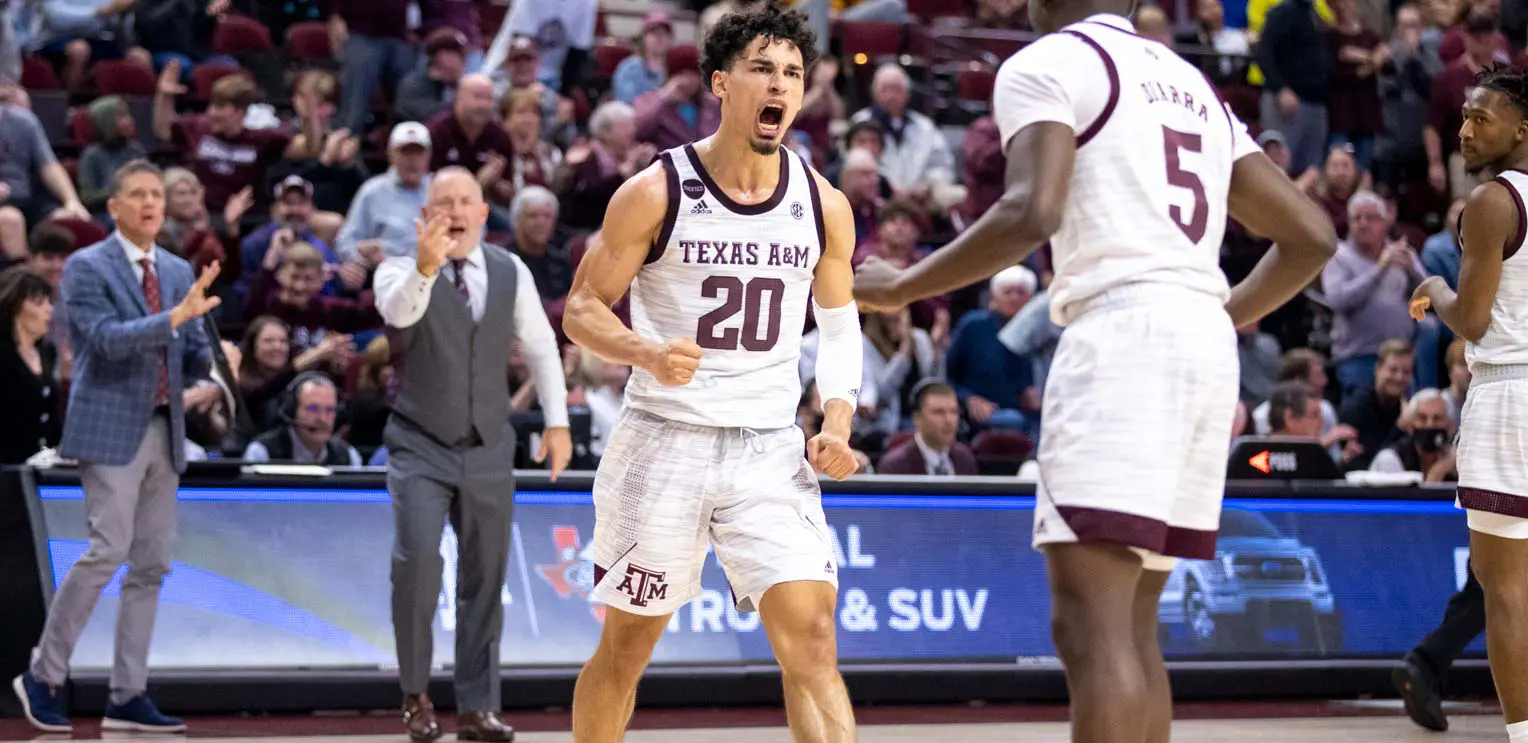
[459, 271]
[152, 300]
[942, 468]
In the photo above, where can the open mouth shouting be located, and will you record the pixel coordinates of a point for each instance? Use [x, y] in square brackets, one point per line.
[456, 231]
[771, 121]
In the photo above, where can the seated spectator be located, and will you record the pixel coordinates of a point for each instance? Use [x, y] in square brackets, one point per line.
[537, 242]
[1373, 411]
[933, 449]
[1368, 285]
[862, 135]
[380, 222]
[1336, 184]
[180, 31]
[1296, 409]
[74, 33]
[1032, 333]
[564, 32]
[535, 158]
[592, 171]
[290, 211]
[683, 110]
[518, 72]
[25, 150]
[1305, 366]
[306, 434]
[113, 146]
[860, 182]
[187, 226]
[225, 155]
[429, 90]
[917, 157]
[266, 365]
[1428, 446]
[996, 386]
[983, 166]
[1458, 379]
[372, 404]
[466, 135]
[28, 366]
[1276, 147]
[324, 156]
[1231, 45]
[896, 242]
[1258, 353]
[897, 355]
[647, 69]
[288, 287]
[371, 38]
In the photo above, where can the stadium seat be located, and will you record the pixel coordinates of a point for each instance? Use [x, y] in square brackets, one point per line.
[121, 77]
[898, 439]
[239, 35]
[203, 77]
[995, 443]
[607, 56]
[81, 128]
[37, 74]
[871, 39]
[974, 84]
[309, 42]
[86, 232]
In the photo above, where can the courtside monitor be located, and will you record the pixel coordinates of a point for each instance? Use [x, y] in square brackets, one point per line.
[1280, 458]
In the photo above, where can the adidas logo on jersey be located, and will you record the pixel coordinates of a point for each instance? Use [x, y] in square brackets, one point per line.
[700, 208]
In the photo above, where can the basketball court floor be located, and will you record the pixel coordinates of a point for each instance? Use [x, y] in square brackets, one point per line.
[1296, 722]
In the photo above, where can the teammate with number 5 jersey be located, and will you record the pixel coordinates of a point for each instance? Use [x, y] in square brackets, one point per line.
[1121, 155]
[722, 244]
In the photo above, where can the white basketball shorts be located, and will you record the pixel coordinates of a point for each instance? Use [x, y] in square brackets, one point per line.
[664, 491]
[1492, 452]
[1136, 424]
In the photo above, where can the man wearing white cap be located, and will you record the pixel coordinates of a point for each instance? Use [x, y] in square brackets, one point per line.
[381, 219]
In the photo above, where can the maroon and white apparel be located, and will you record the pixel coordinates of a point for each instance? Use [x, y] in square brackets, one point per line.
[1143, 388]
[1492, 452]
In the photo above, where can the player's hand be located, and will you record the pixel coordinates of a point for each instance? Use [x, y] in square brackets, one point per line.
[556, 450]
[875, 286]
[435, 244]
[831, 456]
[674, 363]
[1421, 299]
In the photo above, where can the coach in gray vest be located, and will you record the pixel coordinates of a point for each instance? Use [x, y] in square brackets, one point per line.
[453, 312]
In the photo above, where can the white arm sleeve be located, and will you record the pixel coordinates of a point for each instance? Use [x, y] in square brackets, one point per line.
[840, 353]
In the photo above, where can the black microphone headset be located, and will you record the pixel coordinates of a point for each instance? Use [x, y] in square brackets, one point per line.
[288, 409]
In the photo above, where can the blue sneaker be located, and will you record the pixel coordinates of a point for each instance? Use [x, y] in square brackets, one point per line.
[40, 704]
[140, 715]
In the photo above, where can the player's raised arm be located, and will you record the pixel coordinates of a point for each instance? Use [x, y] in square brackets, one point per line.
[1040, 158]
[1264, 200]
[1488, 225]
[616, 253]
[840, 348]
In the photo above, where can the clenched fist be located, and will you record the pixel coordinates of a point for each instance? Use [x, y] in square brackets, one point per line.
[831, 456]
[674, 363]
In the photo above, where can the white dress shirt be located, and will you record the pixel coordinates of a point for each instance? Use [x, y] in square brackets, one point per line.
[932, 459]
[403, 294]
[135, 256]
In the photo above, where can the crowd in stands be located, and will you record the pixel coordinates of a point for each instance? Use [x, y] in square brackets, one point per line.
[300, 136]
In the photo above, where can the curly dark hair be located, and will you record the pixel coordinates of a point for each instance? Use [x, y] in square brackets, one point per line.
[1509, 81]
[730, 37]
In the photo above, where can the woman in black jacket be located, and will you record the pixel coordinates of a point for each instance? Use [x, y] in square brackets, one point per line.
[29, 390]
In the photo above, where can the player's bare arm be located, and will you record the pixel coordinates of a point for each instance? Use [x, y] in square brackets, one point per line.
[1040, 160]
[1489, 223]
[615, 255]
[840, 353]
[1265, 201]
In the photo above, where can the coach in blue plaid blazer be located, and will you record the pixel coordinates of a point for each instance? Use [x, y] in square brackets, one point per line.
[133, 310]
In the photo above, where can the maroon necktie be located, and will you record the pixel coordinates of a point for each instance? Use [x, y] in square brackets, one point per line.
[151, 298]
[459, 271]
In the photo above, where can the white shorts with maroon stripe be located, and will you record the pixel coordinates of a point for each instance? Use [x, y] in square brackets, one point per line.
[1492, 453]
[1137, 424]
[665, 491]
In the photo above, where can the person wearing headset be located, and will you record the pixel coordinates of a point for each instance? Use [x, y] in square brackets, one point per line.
[309, 407]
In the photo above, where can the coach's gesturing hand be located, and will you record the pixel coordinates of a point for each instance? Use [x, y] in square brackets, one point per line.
[674, 363]
[435, 244]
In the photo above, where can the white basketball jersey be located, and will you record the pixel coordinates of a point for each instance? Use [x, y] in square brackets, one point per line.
[1155, 147]
[736, 278]
[1506, 338]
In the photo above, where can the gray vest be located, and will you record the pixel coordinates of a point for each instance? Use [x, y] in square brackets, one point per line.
[453, 373]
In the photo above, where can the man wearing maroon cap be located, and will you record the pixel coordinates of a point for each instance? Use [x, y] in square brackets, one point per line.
[291, 211]
[647, 69]
[429, 90]
[683, 110]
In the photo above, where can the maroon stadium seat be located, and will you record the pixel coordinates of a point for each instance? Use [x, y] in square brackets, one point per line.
[121, 77]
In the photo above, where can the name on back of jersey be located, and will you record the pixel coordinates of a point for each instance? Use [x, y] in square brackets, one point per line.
[714, 253]
[1159, 92]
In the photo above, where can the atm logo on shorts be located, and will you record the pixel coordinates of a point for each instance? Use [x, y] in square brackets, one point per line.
[573, 573]
[643, 585]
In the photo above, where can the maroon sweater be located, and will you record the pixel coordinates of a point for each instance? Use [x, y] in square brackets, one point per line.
[322, 314]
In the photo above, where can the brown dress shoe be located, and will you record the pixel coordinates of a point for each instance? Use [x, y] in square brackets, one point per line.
[483, 726]
[419, 719]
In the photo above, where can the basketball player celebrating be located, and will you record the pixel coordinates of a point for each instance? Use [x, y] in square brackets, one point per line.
[1490, 312]
[1120, 155]
[720, 244]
